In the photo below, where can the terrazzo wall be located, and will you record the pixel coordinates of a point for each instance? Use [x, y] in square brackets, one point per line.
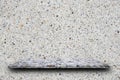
[60, 29]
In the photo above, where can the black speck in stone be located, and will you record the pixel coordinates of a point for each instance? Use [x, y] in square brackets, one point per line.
[26, 22]
[23, 51]
[104, 60]
[13, 14]
[4, 25]
[72, 12]
[48, 2]
[77, 65]
[118, 31]
[51, 25]
[70, 38]
[41, 1]
[56, 15]
[119, 77]
[41, 22]
[13, 43]
[5, 42]
[68, 26]
[96, 39]
[29, 40]
[59, 73]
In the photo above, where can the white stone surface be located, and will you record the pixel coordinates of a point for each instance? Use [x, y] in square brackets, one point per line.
[60, 28]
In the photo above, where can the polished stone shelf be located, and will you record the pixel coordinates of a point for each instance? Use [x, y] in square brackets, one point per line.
[58, 64]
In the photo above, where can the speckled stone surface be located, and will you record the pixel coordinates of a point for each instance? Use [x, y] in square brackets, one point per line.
[59, 64]
[60, 29]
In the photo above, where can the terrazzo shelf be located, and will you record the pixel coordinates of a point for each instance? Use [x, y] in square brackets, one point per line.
[58, 64]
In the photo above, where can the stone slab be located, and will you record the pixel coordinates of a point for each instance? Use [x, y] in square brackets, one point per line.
[58, 63]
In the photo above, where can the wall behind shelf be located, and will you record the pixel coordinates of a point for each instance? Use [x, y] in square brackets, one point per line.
[60, 29]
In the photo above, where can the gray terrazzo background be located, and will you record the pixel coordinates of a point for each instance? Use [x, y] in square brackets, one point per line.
[60, 29]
